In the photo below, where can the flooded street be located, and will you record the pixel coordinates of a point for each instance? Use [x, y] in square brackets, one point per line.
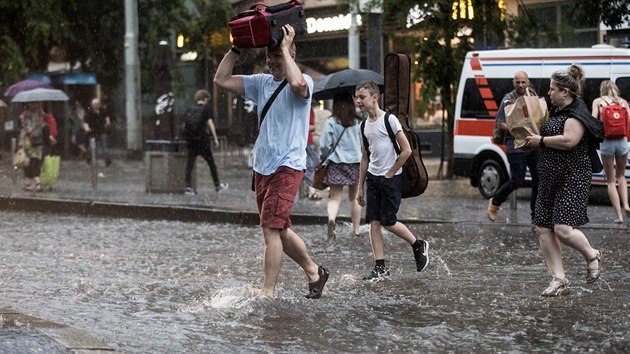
[166, 286]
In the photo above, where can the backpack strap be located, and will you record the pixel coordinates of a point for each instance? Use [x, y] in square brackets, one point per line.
[366, 145]
[270, 101]
[391, 134]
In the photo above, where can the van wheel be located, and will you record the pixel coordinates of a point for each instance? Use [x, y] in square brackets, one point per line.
[490, 178]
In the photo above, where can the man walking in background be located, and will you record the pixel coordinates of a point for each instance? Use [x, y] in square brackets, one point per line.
[97, 125]
[519, 159]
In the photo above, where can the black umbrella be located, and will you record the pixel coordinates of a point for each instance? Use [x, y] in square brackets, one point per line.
[344, 81]
[164, 97]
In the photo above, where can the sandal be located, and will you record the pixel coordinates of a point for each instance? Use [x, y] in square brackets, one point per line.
[556, 287]
[593, 273]
[315, 289]
[315, 196]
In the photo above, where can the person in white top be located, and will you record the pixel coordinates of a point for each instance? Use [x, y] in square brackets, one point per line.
[381, 168]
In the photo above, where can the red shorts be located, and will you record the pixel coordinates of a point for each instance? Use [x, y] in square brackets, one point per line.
[275, 195]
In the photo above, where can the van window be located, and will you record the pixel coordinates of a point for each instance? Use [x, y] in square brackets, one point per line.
[472, 103]
[624, 87]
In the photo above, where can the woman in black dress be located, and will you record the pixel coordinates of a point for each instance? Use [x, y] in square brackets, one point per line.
[565, 172]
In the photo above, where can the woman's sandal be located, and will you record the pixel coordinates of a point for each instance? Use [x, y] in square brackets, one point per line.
[315, 196]
[593, 273]
[557, 287]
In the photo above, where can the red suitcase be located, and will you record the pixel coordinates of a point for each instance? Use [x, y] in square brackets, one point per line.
[261, 25]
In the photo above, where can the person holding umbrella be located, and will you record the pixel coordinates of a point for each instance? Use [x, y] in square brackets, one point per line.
[34, 136]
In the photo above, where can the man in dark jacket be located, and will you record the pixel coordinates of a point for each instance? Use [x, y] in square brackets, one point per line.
[97, 125]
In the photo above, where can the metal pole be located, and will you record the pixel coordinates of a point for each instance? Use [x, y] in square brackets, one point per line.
[354, 53]
[132, 77]
[93, 163]
[513, 200]
[15, 169]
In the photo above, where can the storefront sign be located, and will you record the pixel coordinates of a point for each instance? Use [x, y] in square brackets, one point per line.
[330, 24]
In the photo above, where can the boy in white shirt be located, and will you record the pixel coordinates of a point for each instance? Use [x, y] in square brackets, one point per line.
[381, 168]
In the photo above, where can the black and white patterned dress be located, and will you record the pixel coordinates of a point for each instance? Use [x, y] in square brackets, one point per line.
[565, 179]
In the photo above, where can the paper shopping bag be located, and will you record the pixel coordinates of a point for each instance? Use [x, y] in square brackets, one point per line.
[525, 116]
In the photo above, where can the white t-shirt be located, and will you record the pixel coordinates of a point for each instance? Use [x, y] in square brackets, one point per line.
[382, 153]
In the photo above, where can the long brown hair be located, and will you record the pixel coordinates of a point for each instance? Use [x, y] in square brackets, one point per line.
[343, 109]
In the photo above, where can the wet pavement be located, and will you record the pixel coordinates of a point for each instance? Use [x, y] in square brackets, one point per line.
[153, 282]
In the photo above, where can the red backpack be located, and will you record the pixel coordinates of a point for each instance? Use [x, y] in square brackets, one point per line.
[615, 119]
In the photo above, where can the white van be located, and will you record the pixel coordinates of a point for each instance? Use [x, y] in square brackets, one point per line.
[487, 76]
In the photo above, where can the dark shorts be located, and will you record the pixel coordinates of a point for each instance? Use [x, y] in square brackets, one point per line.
[275, 195]
[383, 198]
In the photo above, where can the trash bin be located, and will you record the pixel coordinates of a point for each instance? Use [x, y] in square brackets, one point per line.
[166, 166]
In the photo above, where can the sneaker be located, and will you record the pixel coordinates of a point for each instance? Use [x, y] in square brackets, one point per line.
[421, 254]
[316, 288]
[377, 274]
[189, 191]
[492, 211]
[221, 187]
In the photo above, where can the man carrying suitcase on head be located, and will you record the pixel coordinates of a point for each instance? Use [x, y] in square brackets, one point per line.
[279, 154]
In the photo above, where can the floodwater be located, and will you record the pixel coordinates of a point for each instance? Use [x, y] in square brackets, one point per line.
[162, 286]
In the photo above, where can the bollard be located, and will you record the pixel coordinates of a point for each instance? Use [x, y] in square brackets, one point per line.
[513, 200]
[93, 163]
[14, 172]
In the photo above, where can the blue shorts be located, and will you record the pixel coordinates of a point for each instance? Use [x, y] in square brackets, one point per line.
[383, 198]
[614, 147]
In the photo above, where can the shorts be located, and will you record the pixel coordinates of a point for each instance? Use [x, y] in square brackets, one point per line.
[383, 198]
[275, 195]
[614, 147]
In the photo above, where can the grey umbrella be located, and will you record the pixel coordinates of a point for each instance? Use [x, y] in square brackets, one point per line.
[39, 95]
[344, 81]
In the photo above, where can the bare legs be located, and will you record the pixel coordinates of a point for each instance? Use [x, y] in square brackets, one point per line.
[275, 243]
[614, 168]
[551, 246]
[336, 192]
[376, 237]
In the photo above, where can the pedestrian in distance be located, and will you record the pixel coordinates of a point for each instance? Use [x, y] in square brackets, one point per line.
[567, 141]
[519, 159]
[614, 150]
[344, 161]
[97, 125]
[34, 137]
[78, 137]
[380, 171]
[198, 126]
[279, 156]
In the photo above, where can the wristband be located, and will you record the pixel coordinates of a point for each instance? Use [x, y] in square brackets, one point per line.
[235, 50]
[542, 144]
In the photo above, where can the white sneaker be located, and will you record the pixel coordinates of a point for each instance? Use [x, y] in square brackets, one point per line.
[221, 187]
[189, 191]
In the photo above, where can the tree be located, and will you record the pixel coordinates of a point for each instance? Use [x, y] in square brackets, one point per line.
[612, 13]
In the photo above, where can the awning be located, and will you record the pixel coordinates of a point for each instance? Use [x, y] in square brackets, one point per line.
[58, 79]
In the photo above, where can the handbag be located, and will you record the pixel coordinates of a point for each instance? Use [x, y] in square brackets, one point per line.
[20, 158]
[525, 116]
[322, 168]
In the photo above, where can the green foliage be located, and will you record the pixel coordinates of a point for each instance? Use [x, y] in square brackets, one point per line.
[92, 33]
[612, 13]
